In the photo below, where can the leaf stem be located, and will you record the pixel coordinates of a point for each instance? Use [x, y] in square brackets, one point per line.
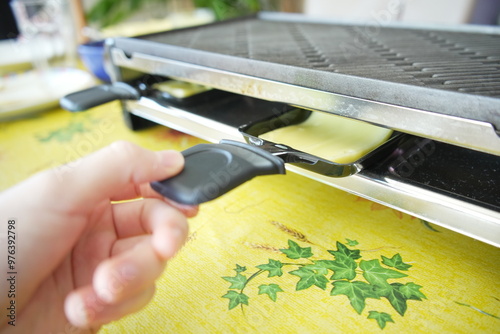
[250, 278]
[261, 270]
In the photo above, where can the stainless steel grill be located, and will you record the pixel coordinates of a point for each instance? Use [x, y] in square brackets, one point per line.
[416, 77]
[439, 86]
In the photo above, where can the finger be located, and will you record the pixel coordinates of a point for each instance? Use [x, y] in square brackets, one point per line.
[189, 211]
[145, 191]
[84, 309]
[110, 171]
[138, 191]
[124, 276]
[152, 216]
[122, 245]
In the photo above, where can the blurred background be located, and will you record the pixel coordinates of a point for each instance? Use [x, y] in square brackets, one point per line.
[50, 48]
[104, 14]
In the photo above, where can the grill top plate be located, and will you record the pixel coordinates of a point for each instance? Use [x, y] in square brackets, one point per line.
[454, 73]
[452, 61]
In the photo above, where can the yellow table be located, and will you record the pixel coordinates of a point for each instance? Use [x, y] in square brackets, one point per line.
[283, 254]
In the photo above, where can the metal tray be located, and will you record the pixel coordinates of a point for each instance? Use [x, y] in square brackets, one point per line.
[450, 186]
[305, 160]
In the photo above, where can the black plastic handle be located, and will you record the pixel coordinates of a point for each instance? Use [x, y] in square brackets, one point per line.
[212, 170]
[95, 96]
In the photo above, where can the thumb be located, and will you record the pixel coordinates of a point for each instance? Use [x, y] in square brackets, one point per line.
[110, 172]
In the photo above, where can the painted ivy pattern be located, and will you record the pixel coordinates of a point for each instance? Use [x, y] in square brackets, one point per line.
[344, 273]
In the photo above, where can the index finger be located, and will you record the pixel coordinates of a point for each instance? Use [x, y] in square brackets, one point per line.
[110, 172]
[146, 191]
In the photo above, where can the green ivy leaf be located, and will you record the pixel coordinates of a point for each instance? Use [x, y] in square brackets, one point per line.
[381, 317]
[64, 135]
[237, 282]
[274, 268]
[319, 268]
[396, 262]
[309, 278]
[356, 291]
[239, 268]
[343, 268]
[410, 290]
[374, 273]
[383, 290]
[270, 290]
[294, 251]
[343, 251]
[393, 295]
[236, 298]
[397, 300]
[351, 243]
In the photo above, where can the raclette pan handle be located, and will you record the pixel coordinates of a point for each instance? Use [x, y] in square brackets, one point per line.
[95, 96]
[211, 170]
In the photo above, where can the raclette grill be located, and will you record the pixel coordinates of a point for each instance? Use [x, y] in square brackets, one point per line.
[437, 88]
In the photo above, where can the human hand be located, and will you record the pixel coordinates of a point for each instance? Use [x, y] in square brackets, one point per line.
[82, 260]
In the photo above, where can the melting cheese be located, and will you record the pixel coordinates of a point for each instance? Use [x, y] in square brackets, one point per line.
[331, 137]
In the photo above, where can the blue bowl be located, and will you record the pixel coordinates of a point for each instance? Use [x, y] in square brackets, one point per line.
[92, 56]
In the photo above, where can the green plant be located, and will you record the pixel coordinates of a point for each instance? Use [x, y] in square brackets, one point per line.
[108, 12]
[346, 267]
[225, 9]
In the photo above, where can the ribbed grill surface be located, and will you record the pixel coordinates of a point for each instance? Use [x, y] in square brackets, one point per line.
[455, 61]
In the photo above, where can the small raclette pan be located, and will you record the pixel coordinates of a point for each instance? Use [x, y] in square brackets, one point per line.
[212, 170]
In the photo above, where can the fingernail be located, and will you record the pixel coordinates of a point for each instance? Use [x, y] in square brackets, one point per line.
[76, 311]
[171, 158]
[128, 271]
[106, 295]
[110, 288]
[168, 244]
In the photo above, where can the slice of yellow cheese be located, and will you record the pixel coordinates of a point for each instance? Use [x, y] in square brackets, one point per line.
[331, 137]
[180, 89]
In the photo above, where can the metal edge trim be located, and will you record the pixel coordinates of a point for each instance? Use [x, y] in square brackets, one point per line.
[301, 18]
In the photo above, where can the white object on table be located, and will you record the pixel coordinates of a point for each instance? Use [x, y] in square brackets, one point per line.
[32, 92]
